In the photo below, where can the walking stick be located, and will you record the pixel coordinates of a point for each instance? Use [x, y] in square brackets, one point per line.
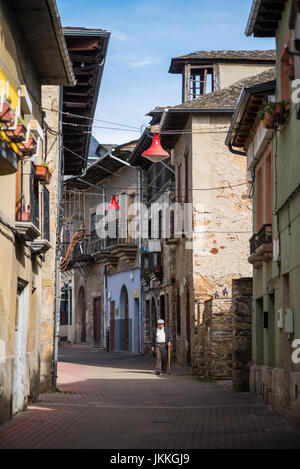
[169, 359]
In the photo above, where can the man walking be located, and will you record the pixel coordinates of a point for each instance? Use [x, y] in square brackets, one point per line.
[160, 342]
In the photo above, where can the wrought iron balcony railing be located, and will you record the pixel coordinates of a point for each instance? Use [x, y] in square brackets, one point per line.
[253, 243]
[264, 235]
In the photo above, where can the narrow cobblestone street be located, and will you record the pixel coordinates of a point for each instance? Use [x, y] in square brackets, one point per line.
[115, 401]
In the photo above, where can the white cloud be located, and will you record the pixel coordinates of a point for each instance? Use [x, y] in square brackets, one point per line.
[143, 63]
[119, 35]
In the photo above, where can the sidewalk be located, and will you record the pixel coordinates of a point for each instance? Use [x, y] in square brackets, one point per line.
[114, 400]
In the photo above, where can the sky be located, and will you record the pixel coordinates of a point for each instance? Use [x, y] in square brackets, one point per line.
[145, 36]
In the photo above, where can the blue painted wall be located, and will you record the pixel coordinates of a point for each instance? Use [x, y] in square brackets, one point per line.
[115, 284]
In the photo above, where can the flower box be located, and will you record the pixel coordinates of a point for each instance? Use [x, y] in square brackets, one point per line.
[22, 215]
[28, 148]
[7, 115]
[19, 134]
[42, 173]
[269, 120]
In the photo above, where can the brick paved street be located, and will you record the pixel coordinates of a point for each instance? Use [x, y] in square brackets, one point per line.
[115, 401]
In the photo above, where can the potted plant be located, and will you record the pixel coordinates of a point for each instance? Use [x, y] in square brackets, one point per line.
[268, 115]
[282, 111]
[23, 215]
[274, 112]
[42, 173]
[28, 147]
[19, 134]
[7, 115]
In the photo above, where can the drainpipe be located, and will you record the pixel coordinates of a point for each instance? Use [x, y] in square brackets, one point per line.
[236, 152]
[57, 258]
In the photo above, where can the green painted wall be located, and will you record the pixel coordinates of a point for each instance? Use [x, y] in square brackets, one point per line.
[267, 345]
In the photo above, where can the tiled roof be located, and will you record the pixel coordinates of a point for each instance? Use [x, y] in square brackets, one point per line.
[231, 55]
[227, 98]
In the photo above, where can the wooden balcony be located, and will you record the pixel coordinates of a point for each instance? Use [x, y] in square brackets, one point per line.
[261, 247]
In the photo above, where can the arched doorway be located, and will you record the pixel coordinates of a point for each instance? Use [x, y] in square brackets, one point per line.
[82, 314]
[124, 311]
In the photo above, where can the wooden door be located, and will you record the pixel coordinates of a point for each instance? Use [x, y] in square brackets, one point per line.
[188, 328]
[126, 323]
[83, 317]
[97, 320]
[20, 359]
[112, 326]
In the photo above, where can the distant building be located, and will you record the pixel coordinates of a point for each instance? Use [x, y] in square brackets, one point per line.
[103, 272]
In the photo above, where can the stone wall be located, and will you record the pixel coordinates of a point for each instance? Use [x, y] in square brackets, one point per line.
[241, 311]
[215, 340]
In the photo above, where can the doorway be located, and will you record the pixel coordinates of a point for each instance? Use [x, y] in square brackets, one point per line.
[112, 326]
[82, 312]
[162, 307]
[124, 332]
[188, 329]
[97, 320]
[21, 324]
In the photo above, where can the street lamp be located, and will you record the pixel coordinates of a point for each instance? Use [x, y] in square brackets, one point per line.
[156, 153]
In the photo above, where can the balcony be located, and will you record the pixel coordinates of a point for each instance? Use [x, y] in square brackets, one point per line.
[27, 217]
[261, 248]
[123, 248]
[155, 267]
[8, 159]
[26, 229]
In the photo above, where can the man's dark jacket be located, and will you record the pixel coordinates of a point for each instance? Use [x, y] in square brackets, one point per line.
[167, 332]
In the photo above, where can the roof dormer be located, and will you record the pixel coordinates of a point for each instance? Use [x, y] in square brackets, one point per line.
[207, 71]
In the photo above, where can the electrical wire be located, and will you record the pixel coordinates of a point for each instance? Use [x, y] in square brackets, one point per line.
[181, 192]
[70, 114]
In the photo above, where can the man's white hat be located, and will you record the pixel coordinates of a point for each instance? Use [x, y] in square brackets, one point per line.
[160, 321]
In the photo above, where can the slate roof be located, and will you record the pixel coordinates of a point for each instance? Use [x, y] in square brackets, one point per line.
[227, 98]
[204, 57]
[232, 55]
[103, 168]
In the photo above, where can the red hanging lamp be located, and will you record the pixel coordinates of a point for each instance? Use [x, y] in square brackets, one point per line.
[156, 153]
[113, 204]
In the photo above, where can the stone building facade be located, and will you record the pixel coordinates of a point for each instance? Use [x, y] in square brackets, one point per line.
[214, 182]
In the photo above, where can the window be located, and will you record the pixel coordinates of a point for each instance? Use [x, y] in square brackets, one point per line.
[285, 60]
[269, 189]
[162, 307]
[201, 82]
[46, 217]
[66, 305]
[259, 199]
[178, 314]
[179, 176]
[160, 232]
[186, 175]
